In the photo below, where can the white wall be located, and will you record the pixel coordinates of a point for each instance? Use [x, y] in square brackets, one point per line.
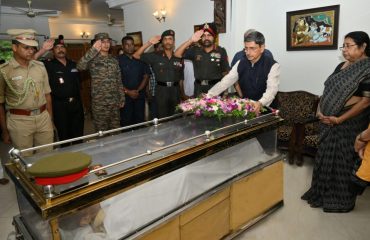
[301, 70]
[305, 70]
[182, 15]
[72, 28]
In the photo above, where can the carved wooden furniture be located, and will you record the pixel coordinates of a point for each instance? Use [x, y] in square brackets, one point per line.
[298, 109]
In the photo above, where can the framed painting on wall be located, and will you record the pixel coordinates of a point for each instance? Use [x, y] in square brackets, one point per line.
[138, 39]
[313, 29]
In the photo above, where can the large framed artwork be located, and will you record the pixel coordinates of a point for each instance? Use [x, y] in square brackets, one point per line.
[138, 39]
[313, 29]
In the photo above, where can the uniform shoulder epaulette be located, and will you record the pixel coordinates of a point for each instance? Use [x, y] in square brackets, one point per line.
[38, 62]
[4, 64]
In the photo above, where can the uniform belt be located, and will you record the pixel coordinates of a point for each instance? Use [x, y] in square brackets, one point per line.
[206, 82]
[26, 112]
[168, 84]
[67, 99]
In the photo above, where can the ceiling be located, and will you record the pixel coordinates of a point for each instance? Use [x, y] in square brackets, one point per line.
[72, 9]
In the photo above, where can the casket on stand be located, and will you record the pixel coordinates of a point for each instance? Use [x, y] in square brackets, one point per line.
[177, 178]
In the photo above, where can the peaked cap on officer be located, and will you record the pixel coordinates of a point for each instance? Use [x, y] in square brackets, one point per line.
[25, 36]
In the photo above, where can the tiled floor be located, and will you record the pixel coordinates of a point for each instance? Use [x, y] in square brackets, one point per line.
[295, 221]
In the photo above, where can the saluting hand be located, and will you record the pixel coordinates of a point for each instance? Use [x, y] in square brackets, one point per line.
[48, 44]
[155, 39]
[97, 45]
[197, 35]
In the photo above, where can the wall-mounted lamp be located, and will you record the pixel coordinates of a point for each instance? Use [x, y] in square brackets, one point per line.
[160, 15]
[85, 35]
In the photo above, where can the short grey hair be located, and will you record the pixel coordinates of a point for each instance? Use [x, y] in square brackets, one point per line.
[249, 31]
[256, 37]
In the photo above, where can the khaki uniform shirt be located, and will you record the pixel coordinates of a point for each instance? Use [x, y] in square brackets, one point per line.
[17, 76]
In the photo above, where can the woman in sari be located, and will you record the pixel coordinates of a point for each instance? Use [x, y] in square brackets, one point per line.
[343, 112]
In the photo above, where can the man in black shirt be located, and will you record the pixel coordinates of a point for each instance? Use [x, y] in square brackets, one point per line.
[64, 80]
[168, 70]
[210, 61]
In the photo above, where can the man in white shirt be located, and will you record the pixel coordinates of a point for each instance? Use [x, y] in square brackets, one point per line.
[258, 75]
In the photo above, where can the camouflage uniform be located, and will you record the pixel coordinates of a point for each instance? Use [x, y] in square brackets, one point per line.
[106, 89]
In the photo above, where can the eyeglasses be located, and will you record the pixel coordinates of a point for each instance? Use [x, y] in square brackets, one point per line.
[346, 46]
[252, 49]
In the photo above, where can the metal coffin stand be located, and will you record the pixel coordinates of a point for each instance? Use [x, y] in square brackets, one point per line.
[180, 178]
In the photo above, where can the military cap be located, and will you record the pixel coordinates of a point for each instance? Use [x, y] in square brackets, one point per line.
[168, 32]
[25, 36]
[211, 28]
[59, 41]
[101, 36]
[60, 164]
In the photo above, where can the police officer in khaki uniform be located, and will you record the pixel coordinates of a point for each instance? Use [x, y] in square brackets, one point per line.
[25, 101]
[210, 61]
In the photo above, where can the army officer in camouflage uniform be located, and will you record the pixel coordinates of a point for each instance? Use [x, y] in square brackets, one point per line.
[25, 94]
[107, 94]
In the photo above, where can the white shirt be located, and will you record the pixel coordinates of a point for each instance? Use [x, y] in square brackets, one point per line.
[189, 78]
[273, 80]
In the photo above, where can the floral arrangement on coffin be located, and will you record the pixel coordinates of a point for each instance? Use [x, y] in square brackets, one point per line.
[219, 107]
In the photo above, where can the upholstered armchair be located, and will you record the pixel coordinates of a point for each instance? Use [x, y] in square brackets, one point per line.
[298, 109]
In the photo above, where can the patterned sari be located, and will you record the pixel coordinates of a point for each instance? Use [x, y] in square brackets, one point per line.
[335, 159]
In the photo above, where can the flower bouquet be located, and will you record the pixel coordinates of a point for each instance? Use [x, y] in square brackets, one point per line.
[218, 107]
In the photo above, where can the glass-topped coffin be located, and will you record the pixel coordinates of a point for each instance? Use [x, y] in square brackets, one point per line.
[232, 149]
[128, 150]
[172, 162]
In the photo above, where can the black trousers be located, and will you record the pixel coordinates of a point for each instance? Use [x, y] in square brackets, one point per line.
[68, 118]
[133, 111]
[199, 89]
[167, 100]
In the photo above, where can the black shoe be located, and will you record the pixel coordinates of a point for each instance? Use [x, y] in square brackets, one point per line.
[315, 204]
[331, 210]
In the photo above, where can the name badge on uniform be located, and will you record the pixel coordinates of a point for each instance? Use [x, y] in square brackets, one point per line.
[17, 78]
[74, 70]
[177, 64]
[61, 80]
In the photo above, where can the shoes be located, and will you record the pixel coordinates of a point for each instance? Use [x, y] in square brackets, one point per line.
[330, 210]
[315, 204]
[4, 181]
